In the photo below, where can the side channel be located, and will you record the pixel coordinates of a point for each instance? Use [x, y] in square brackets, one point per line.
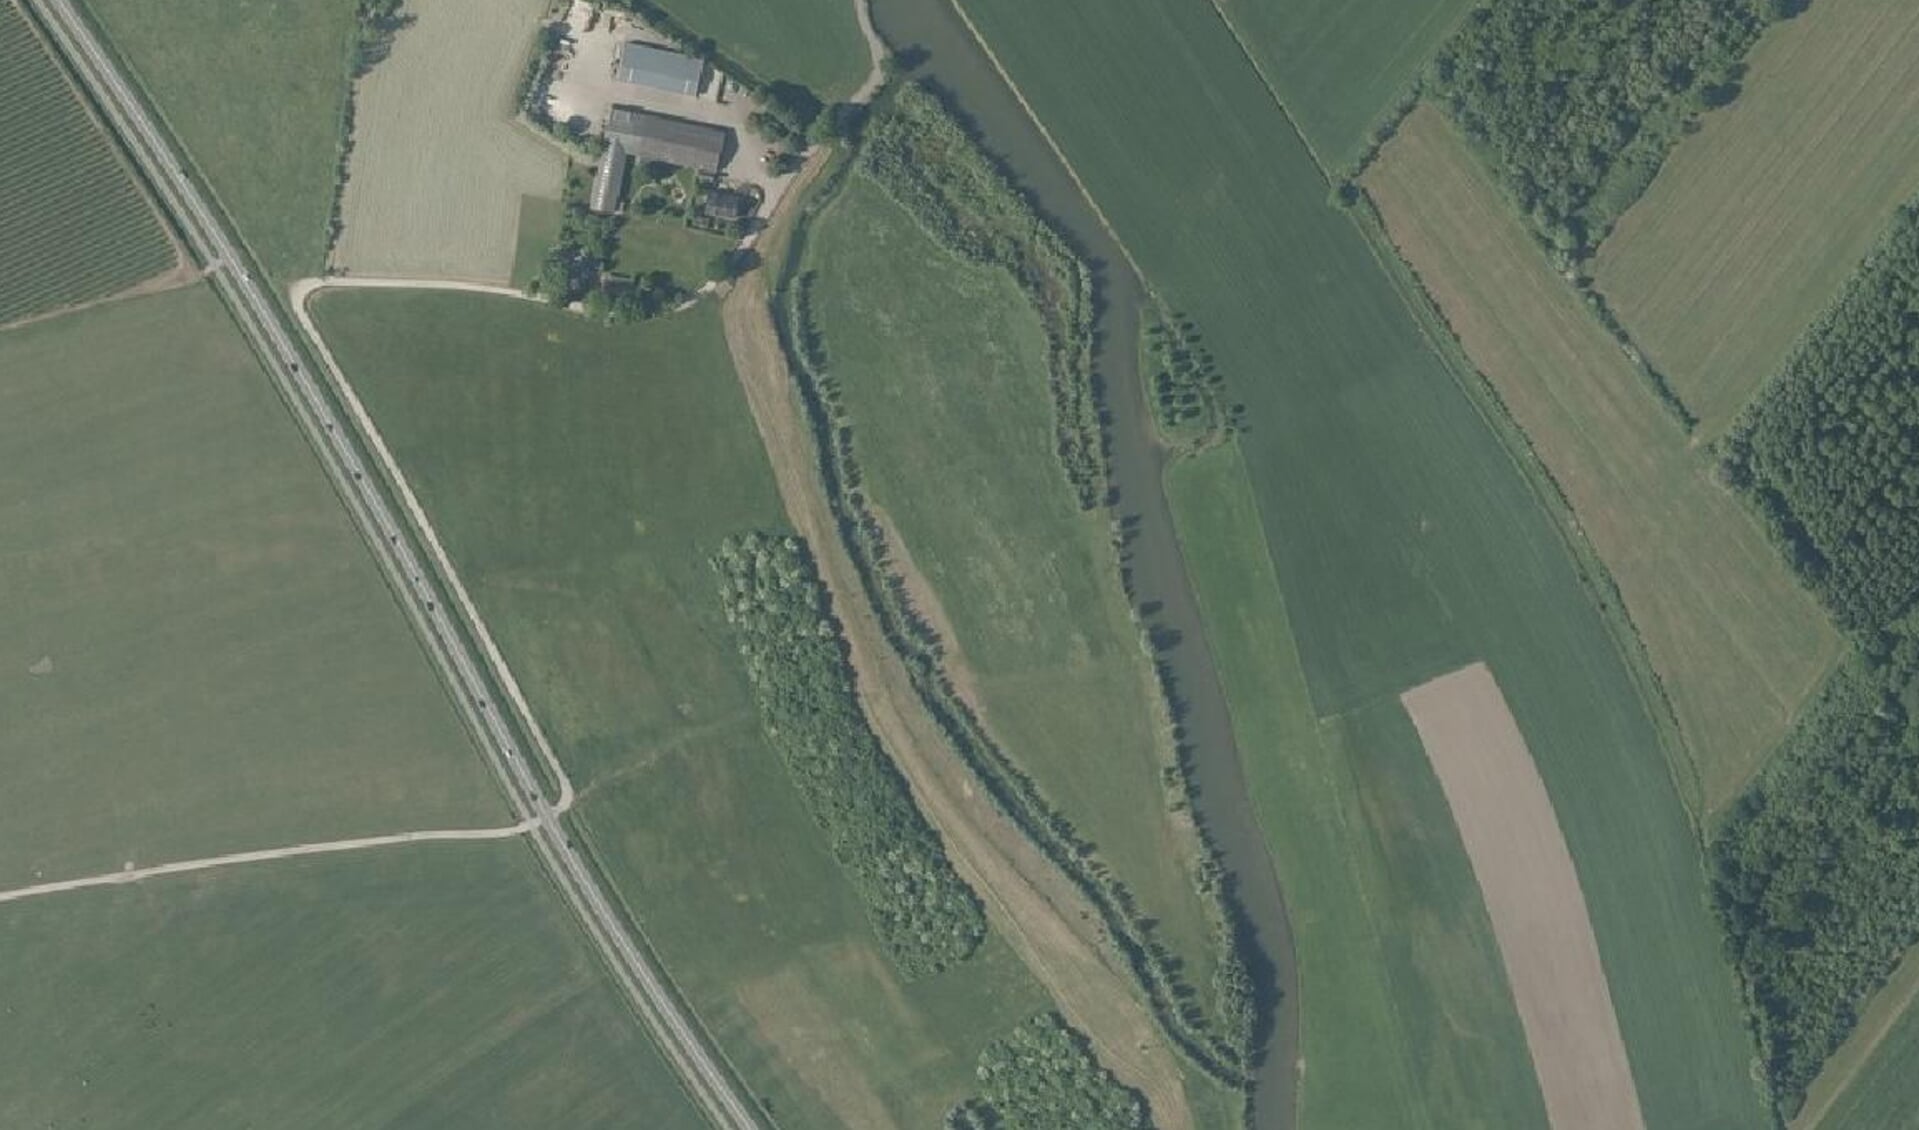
[953, 60]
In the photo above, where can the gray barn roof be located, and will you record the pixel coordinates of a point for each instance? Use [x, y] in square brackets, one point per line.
[643, 64]
[610, 180]
[676, 141]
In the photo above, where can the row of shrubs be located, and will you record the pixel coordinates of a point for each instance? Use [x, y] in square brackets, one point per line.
[923, 157]
[795, 657]
[1044, 1076]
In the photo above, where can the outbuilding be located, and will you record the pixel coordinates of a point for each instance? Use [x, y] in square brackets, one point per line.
[650, 137]
[609, 181]
[661, 68]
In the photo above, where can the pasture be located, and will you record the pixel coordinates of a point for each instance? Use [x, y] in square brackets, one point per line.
[816, 43]
[255, 90]
[1339, 66]
[953, 427]
[429, 198]
[582, 477]
[1755, 222]
[434, 986]
[1405, 537]
[1405, 1016]
[58, 254]
[201, 655]
[1736, 642]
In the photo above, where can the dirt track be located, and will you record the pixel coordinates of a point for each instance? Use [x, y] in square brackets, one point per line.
[1532, 895]
[1029, 902]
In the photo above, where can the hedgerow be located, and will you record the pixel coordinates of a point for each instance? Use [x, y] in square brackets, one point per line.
[922, 156]
[1044, 1076]
[795, 657]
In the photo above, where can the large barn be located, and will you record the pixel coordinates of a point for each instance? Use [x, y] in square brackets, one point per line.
[675, 141]
[643, 64]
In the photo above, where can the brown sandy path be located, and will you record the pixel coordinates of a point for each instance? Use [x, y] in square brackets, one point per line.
[1532, 895]
[1052, 927]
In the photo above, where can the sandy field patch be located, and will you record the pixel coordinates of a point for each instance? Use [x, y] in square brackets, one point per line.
[1755, 221]
[1532, 895]
[439, 162]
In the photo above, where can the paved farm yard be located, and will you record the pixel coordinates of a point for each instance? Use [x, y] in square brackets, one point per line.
[1736, 642]
[1755, 222]
[199, 655]
[439, 163]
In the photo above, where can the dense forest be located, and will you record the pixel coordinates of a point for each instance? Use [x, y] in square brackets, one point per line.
[795, 657]
[1831, 451]
[921, 155]
[1578, 101]
[1044, 1076]
[1816, 870]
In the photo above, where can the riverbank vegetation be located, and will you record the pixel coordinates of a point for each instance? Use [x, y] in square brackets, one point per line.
[1577, 104]
[1185, 386]
[796, 660]
[1042, 1076]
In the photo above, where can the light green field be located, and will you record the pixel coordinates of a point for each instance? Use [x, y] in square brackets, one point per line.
[1755, 222]
[539, 230]
[255, 90]
[1737, 643]
[201, 656]
[57, 254]
[813, 42]
[1338, 65]
[1405, 1016]
[954, 427]
[581, 476]
[1405, 537]
[434, 986]
[670, 246]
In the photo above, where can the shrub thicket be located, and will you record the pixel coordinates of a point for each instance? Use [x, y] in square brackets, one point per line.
[1580, 100]
[1044, 1076]
[923, 157]
[923, 912]
[1188, 391]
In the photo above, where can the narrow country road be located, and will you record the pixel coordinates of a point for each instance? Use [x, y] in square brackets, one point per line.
[707, 1080]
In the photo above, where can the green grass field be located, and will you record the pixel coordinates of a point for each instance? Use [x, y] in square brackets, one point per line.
[57, 254]
[953, 424]
[269, 157]
[201, 656]
[813, 42]
[1406, 539]
[1755, 222]
[582, 476]
[1405, 1016]
[668, 245]
[434, 986]
[1339, 65]
[539, 230]
[1737, 643]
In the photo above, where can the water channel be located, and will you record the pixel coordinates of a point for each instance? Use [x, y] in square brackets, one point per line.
[954, 61]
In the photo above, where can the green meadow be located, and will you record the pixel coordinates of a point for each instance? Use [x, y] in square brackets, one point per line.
[1406, 539]
[582, 476]
[813, 42]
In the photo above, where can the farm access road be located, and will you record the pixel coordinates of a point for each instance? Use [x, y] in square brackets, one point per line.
[706, 1079]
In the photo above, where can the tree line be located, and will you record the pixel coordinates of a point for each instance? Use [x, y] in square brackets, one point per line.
[1044, 1076]
[1577, 102]
[924, 913]
[1816, 869]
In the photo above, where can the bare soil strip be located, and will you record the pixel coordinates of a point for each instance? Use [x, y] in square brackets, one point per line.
[1532, 895]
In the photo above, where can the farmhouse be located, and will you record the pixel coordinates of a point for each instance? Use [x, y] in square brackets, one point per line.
[643, 64]
[657, 137]
[609, 181]
[728, 205]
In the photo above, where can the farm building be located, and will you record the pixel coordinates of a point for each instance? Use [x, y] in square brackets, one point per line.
[643, 64]
[728, 205]
[675, 141]
[610, 179]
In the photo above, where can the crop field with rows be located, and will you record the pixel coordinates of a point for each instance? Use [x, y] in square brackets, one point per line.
[73, 224]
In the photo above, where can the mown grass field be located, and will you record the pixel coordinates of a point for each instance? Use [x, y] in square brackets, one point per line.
[56, 253]
[1755, 222]
[668, 245]
[539, 230]
[255, 90]
[435, 986]
[200, 654]
[813, 42]
[1338, 65]
[1405, 1016]
[1868, 1084]
[1405, 537]
[440, 163]
[953, 424]
[1737, 643]
[582, 476]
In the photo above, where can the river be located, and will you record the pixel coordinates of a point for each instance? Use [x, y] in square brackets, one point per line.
[954, 61]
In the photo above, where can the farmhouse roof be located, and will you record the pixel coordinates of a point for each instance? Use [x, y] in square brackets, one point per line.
[676, 141]
[610, 180]
[725, 204]
[661, 68]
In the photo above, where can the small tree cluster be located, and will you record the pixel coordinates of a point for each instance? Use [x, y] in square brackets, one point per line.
[1044, 1076]
[1188, 389]
[376, 24]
